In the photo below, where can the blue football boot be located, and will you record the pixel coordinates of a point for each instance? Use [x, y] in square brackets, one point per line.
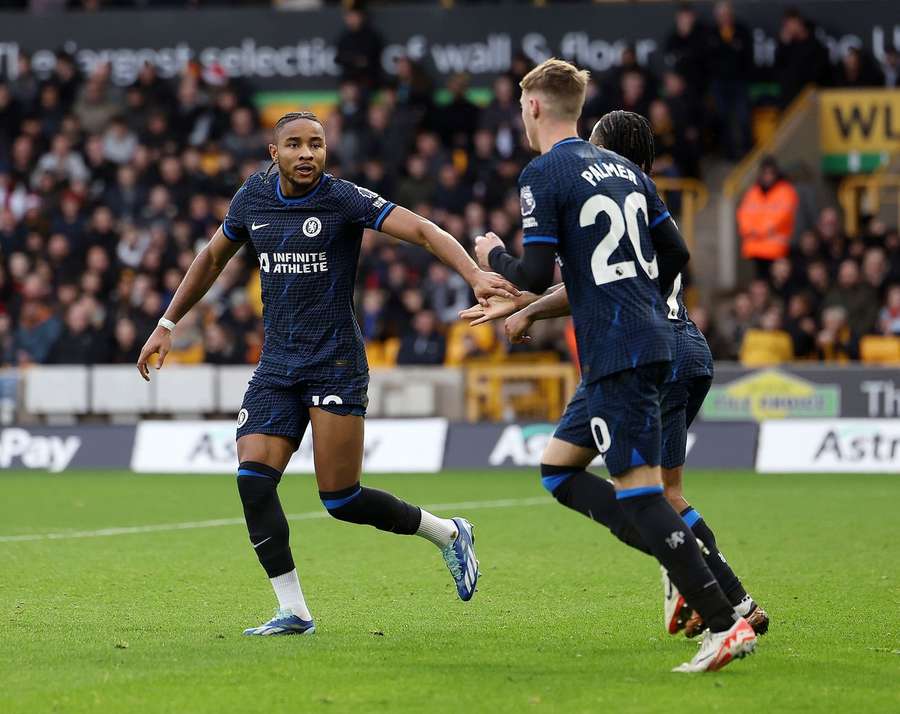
[285, 622]
[461, 561]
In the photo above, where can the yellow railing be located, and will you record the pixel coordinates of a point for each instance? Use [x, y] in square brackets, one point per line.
[866, 192]
[525, 391]
[694, 196]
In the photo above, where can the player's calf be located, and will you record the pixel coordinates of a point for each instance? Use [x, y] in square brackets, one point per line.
[676, 550]
[369, 506]
[266, 522]
[594, 497]
[270, 538]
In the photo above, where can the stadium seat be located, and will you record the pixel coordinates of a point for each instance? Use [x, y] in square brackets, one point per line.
[458, 335]
[391, 350]
[375, 354]
[117, 389]
[880, 349]
[232, 383]
[191, 355]
[55, 389]
[766, 348]
[185, 390]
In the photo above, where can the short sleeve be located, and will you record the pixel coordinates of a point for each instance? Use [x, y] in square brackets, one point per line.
[656, 209]
[234, 226]
[538, 202]
[368, 208]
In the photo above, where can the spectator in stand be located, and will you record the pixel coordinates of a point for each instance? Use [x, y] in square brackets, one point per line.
[766, 217]
[890, 67]
[801, 325]
[859, 69]
[39, 328]
[858, 299]
[685, 48]
[126, 345]
[889, 317]
[730, 63]
[503, 117]
[79, 342]
[423, 344]
[875, 271]
[834, 342]
[800, 58]
[61, 163]
[458, 119]
[359, 50]
[446, 292]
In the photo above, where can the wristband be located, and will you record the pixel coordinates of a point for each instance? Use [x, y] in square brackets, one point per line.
[168, 324]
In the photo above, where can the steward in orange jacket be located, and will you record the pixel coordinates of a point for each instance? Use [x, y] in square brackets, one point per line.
[766, 215]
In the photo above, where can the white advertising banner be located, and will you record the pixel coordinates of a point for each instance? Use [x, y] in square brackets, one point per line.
[829, 445]
[391, 446]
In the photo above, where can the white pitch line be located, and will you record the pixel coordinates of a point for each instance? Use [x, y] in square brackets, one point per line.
[310, 515]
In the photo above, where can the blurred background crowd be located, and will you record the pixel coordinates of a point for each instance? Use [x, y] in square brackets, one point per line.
[106, 194]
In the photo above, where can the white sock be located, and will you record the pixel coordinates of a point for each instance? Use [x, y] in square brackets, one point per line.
[745, 606]
[440, 531]
[290, 596]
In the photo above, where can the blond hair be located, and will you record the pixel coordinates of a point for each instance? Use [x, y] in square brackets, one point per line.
[562, 83]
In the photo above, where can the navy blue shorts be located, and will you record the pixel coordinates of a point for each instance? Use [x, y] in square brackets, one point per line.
[280, 406]
[681, 401]
[619, 415]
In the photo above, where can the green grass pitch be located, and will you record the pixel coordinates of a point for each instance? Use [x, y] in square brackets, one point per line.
[566, 619]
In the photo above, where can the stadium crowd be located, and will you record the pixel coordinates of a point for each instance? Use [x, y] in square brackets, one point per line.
[106, 194]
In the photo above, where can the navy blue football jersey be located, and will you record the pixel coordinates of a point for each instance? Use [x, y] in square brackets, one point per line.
[597, 209]
[308, 249]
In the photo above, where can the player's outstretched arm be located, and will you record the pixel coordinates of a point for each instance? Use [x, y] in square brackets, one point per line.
[200, 276]
[552, 304]
[413, 228]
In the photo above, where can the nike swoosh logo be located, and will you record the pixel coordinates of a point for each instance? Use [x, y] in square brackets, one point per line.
[256, 545]
[261, 225]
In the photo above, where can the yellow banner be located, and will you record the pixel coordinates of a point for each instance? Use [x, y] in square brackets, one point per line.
[865, 121]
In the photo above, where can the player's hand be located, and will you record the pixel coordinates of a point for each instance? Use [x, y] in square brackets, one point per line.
[487, 285]
[159, 343]
[517, 327]
[483, 247]
[496, 308]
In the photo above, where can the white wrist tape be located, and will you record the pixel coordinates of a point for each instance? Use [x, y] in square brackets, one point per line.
[168, 324]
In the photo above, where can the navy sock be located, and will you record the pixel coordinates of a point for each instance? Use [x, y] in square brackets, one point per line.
[266, 522]
[594, 497]
[369, 506]
[728, 581]
[677, 551]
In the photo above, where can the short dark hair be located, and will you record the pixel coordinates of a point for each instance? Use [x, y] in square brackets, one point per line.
[293, 116]
[628, 134]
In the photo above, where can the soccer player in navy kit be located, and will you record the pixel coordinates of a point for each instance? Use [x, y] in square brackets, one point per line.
[306, 227]
[629, 135]
[596, 210]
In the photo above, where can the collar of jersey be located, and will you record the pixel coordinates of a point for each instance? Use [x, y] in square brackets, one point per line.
[565, 141]
[294, 201]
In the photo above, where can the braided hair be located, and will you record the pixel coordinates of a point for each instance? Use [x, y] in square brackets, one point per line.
[287, 119]
[628, 134]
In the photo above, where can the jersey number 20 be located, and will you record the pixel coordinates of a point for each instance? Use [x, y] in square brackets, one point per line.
[619, 223]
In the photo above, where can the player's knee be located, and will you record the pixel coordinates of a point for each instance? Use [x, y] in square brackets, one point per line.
[554, 478]
[256, 483]
[344, 505]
